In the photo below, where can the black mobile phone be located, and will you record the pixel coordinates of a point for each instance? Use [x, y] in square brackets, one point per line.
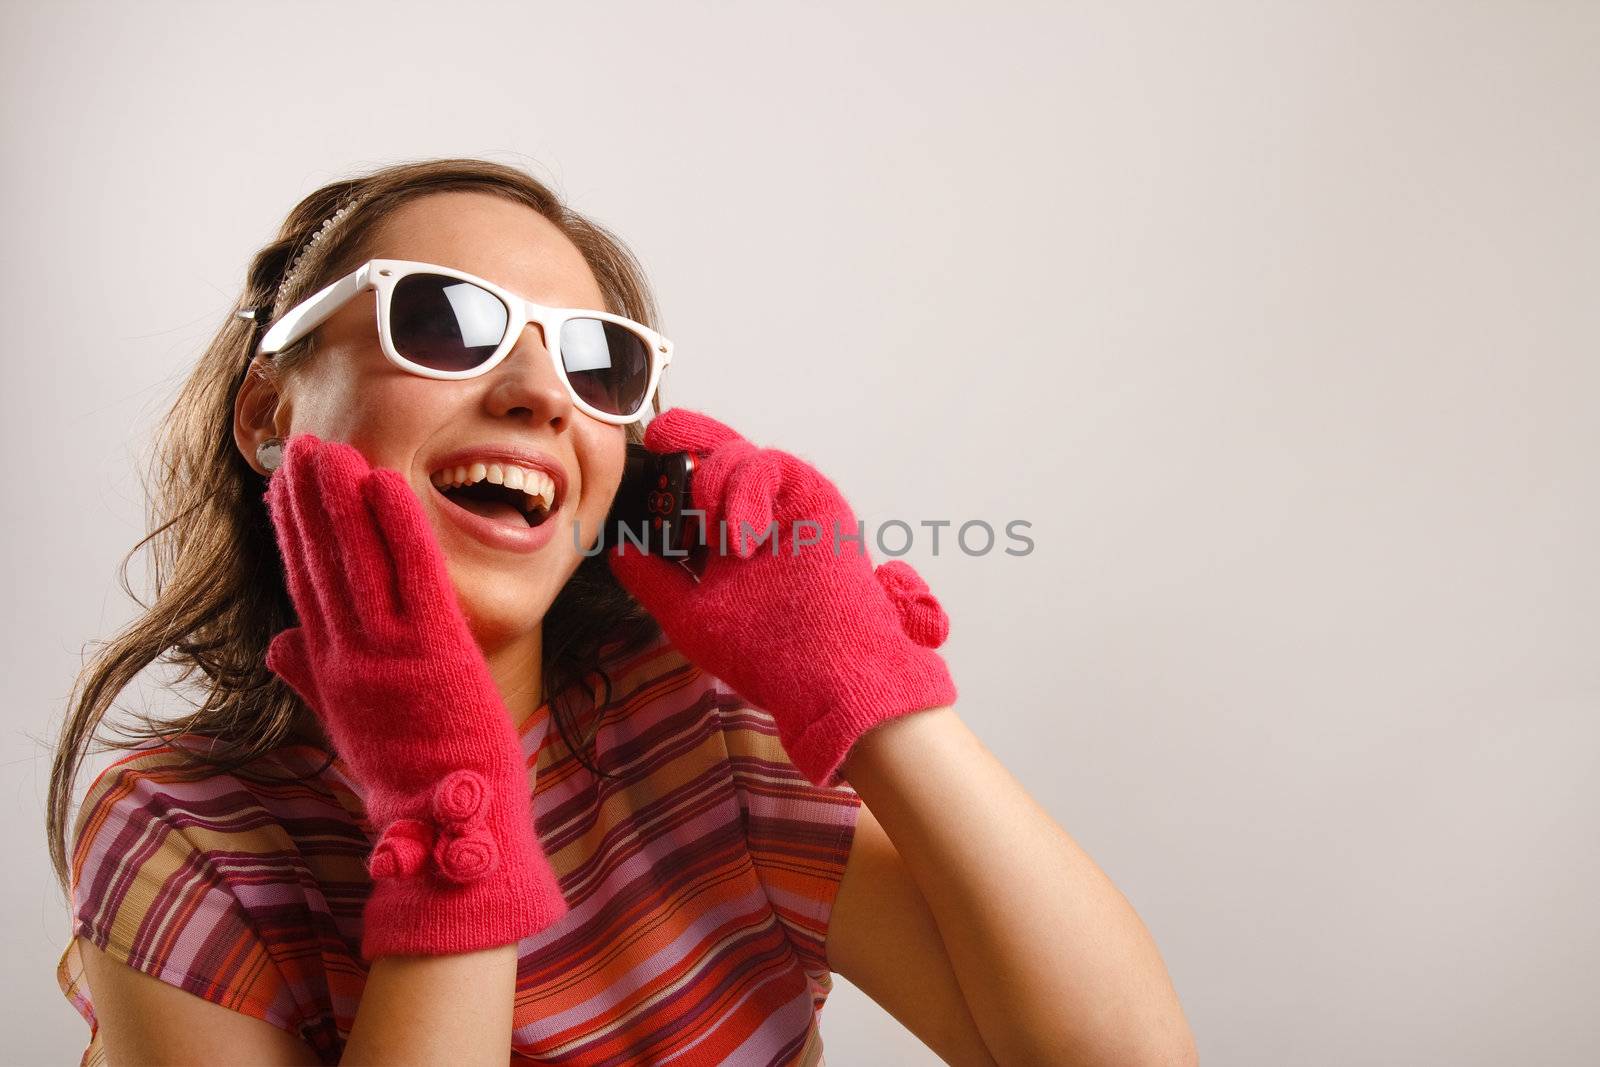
[650, 503]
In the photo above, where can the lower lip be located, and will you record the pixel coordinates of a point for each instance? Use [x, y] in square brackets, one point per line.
[495, 534]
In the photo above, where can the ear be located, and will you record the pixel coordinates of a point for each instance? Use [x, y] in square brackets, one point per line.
[260, 412]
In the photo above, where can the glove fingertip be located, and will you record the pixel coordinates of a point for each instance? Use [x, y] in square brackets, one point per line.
[340, 464]
[287, 657]
[283, 651]
[684, 430]
[299, 447]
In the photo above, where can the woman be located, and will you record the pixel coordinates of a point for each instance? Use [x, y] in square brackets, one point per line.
[381, 491]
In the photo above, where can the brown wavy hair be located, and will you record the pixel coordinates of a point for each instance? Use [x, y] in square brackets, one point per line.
[219, 589]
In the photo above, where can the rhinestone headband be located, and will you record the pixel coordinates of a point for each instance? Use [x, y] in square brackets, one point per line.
[299, 260]
[260, 315]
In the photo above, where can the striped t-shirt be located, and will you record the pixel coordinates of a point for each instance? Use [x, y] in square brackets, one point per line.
[700, 884]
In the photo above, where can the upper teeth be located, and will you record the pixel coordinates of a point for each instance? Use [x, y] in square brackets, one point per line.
[538, 488]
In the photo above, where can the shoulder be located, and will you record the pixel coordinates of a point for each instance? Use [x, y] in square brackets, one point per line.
[197, 878]
[161, 801]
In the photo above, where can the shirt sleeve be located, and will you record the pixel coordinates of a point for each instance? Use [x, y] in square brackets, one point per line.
[156, 869]
[799, 833]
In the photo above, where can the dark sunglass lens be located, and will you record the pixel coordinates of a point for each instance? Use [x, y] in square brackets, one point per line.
[445, 323]
[607, 364]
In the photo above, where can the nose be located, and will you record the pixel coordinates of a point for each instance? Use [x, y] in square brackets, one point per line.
[526, 382]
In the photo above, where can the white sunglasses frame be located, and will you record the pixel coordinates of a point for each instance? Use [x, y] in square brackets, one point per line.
[383, 274]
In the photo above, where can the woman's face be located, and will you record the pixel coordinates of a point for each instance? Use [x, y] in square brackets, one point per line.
[348, 391]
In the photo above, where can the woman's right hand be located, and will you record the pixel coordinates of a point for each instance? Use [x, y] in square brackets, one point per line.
[384, 657]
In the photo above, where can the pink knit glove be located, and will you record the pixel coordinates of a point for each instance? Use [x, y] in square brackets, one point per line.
[825, 643]
[384, 657]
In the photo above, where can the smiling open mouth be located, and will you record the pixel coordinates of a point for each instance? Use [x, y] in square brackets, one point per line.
[498, 502]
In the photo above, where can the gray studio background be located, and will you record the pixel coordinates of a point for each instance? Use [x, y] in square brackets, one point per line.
[1277, 322]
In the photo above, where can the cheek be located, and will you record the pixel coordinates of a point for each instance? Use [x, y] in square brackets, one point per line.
[354, 396]
[602, 465]
[388, 422]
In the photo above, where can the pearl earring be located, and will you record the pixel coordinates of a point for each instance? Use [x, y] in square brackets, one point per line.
[270, 453]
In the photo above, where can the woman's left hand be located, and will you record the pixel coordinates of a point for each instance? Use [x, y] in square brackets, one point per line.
[812, 633]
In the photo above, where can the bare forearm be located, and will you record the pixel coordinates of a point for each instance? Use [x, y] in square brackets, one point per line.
[436, 1009]
[1053, 961]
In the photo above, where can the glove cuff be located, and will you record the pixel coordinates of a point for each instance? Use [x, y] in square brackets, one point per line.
[917, 680]
[428, 913]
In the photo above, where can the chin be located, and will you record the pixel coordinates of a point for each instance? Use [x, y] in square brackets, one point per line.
[495, 632]
[505, 611]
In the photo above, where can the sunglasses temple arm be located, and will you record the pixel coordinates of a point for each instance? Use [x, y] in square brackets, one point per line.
[314, 311]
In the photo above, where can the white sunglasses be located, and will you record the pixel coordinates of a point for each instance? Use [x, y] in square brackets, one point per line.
[440, 322]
